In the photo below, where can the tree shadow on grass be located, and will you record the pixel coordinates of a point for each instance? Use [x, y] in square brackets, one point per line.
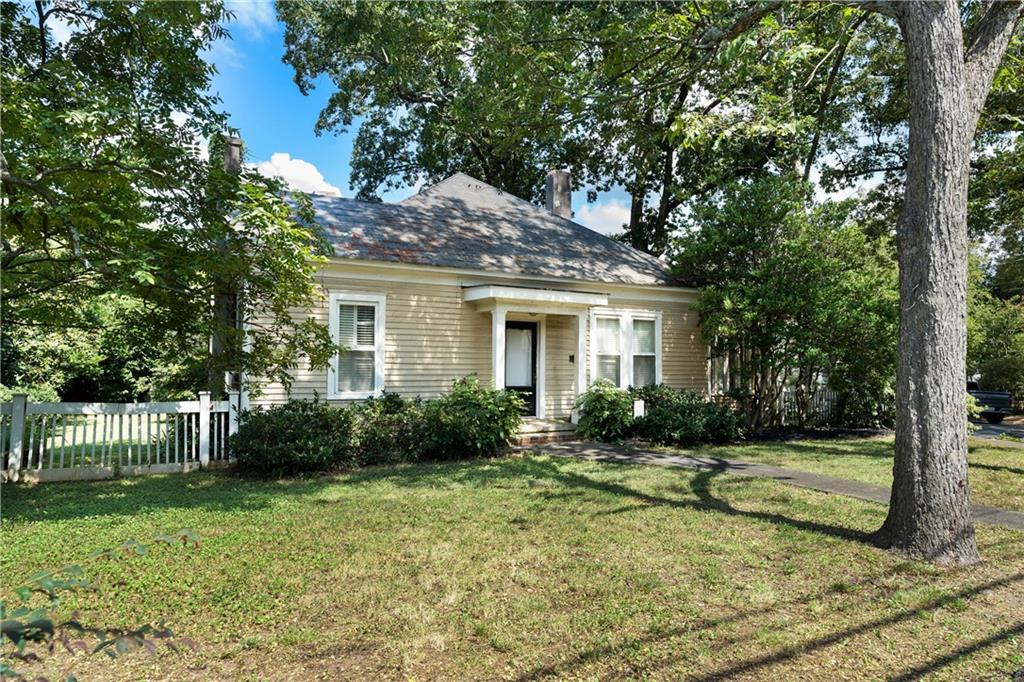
[218, 491]
[751, 665]
[996, 467]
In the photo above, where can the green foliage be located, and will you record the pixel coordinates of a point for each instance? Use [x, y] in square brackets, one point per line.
[297, 437]
[660, 99]
[303, 436]
[30, 621]
[115, 355]
[680, 417]
[470, 421]
[36, 394]
[974, 410]
[605, 412]
[995, 335]
[388, 429]
[791, 292]
[107, 189]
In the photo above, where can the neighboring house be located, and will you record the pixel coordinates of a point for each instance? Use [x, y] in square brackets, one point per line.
[463, 278]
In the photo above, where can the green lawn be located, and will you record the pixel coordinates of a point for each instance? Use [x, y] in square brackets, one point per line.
[517, 569]
[996, 472]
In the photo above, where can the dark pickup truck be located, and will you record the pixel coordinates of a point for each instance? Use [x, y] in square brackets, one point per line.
[994, 404]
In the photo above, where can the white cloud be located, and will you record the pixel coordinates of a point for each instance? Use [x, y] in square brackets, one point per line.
[298, 174]
[254, 16]
[606, 217]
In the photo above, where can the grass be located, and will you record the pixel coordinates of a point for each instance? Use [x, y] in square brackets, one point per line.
[995, 472]
[521, 568]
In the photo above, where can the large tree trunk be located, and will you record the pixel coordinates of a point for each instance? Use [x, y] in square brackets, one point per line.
[930, 511]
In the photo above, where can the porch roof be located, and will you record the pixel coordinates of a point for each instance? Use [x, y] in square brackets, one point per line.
[528, 298]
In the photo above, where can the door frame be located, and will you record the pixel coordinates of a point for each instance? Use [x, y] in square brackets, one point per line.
[538, 338]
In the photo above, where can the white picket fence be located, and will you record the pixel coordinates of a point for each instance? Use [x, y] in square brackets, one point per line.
[822, 406]
[83, 441]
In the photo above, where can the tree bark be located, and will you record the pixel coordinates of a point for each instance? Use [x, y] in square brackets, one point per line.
[930, 511]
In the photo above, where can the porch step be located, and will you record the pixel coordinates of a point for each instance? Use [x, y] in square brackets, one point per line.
[539, 431]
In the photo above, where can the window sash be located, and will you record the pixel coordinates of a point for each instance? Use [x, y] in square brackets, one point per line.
[626, 347]
[357, 325]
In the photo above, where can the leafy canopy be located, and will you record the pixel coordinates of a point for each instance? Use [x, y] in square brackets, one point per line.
[107, 187]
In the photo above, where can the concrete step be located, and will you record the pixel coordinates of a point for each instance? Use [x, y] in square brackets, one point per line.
[540, 431]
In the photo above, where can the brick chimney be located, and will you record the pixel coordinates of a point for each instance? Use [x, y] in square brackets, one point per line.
[232, 154]
[558, 193]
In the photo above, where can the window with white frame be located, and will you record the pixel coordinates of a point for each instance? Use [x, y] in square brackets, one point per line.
[609, 349]
[645, 352]
[626, 348]
[357, 323]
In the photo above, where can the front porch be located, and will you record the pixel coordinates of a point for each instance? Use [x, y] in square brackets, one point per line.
[538, 346]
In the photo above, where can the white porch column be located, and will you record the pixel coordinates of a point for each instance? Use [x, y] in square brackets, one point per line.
[498, 347]
[581, 352]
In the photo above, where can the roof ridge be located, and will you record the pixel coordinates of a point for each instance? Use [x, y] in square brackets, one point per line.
[539, 209]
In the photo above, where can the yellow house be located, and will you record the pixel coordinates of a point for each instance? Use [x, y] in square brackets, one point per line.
[463, 278]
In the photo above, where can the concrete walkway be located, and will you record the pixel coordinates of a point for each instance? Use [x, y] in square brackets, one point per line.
[829, 484]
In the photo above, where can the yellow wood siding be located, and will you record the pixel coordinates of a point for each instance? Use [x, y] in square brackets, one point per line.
[683, 354]
[433, 337]
[560, 374]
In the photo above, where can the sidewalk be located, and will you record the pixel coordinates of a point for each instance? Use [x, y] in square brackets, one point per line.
[829, 484]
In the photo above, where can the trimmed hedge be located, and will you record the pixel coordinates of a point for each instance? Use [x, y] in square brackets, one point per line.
[471, 421]
[388, 430]
[671, 416]
[302, 436]
[297, 437]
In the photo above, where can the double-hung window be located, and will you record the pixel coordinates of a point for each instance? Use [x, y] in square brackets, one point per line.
[609, 349]
[645, 352]
[357, 324]
[626, 347]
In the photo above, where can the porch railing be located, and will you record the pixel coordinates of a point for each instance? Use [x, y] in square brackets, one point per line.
[80, 441]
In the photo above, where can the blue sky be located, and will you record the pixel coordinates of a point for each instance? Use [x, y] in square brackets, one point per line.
[277, 121]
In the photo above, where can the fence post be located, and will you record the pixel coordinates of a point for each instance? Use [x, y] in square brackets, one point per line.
[233, 399]
[204, 429]
[19, 402]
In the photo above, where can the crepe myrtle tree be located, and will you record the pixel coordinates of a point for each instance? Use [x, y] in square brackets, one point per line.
[108, 188]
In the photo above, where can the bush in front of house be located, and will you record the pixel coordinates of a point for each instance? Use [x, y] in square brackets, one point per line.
[605, 412]
[388, 430]
[680, 417]
[293, 438]
[471, 421]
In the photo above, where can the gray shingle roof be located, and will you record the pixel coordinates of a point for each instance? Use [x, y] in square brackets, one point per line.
[462, 222]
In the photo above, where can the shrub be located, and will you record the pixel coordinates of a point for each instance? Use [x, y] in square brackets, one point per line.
[294, 438]
[605, 412]
[722, 424]
[679, 417]
[40, 393]
[671, 416]
[388, 430]
[471, 421]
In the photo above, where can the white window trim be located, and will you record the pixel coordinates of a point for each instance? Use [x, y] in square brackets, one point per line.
[626, 318]
[378, 301]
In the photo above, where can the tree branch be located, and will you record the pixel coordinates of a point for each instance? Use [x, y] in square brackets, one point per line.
[984, 46]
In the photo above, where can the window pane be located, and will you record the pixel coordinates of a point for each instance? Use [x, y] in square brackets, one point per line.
[608, 368]
[355, 371]
[366, 316]
[643, 370]
[347, 325]
[643, 336]
[608, 335]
